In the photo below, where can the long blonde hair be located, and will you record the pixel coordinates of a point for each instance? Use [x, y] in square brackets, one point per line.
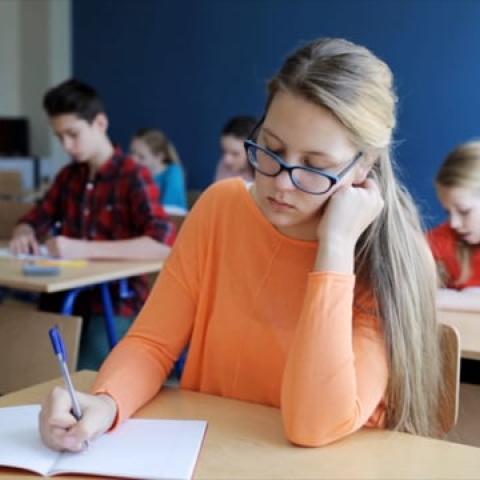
[461, 169]
[392, 255]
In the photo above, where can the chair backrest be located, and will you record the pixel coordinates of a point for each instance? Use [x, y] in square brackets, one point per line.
[10, 212]
[448, 406]
[26, 355]
[11, 183]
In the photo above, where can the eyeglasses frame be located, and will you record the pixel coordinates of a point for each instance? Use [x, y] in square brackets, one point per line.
[332, 177]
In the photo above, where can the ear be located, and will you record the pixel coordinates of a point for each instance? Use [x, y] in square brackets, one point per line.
[101, 122]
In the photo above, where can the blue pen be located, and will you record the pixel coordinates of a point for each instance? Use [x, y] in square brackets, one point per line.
[61, 354]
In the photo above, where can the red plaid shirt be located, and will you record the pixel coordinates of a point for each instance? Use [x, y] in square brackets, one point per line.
[121, 202]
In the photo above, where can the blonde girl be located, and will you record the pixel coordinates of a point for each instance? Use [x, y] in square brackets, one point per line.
[312, 291]
[455, 243]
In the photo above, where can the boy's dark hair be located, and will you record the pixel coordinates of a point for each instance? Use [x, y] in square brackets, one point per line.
[240, 126]
[75, 97]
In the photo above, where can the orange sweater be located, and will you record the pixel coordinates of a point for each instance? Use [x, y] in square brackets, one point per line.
[444, 244]
[261, 326]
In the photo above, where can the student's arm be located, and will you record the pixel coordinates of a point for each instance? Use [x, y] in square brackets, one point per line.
[137, 367]
[140, 248]
[443, 244]
[336, 372]
[38, 221]
[163, 328]
[152, 233]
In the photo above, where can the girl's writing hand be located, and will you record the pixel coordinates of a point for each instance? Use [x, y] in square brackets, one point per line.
[60, 430]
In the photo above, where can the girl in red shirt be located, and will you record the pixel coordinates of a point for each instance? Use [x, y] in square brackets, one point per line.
[455, 243]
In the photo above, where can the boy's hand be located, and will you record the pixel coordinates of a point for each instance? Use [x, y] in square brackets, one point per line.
[65, 247]
[24, 241]
[61, 431]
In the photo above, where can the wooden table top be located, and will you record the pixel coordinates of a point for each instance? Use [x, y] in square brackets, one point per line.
[467, 322]
[95, 271]
[246, 441]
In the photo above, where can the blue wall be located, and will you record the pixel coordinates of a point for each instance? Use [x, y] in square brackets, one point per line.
[187, 65]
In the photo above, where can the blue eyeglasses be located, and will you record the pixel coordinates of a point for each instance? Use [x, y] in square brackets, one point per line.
[307, 179]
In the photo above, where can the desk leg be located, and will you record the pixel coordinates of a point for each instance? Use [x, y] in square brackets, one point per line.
[69, 302]
[71, 296]
[109, 314]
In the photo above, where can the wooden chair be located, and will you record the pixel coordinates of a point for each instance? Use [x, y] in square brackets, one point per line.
[11, 184]
[26, 355]
[10, 212]
[448, 406]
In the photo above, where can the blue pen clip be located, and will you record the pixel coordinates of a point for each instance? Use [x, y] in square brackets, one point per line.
[57, 343]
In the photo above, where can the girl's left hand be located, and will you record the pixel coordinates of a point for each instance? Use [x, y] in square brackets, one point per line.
[349, 211]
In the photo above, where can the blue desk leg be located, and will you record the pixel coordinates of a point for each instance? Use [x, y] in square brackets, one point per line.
[69, 302]
[109, 314]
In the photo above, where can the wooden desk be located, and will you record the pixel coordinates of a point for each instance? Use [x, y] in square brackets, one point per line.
[246, 441]
[467, 323]
[97, 271]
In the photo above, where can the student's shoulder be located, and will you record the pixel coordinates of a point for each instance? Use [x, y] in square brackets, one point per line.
[134, 170]
[225, 192]
[173, 172]
[220, 204]
[442, 239]
[441, 232]
[175, 168]
[68, 171]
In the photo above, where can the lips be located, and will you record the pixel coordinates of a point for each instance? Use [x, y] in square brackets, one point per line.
[464, 236]
[279, 204]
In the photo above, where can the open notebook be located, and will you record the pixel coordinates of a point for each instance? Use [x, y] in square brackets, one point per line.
[146, 449]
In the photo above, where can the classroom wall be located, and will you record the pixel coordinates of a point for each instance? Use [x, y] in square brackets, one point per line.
[35, 53]
[186, 66]
[9, 58]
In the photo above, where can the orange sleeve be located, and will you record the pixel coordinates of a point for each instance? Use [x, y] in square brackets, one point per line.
[337, 372]
[137, 367]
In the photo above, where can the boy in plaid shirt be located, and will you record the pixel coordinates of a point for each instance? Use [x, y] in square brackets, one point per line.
[103, 204]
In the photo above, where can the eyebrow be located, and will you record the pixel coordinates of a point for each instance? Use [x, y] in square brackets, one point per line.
[319, 153]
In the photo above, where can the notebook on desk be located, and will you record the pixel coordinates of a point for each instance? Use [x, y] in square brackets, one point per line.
[139, 448]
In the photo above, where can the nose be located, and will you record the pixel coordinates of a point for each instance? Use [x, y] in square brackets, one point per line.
[283, 181]
[227, 158]
[67, 144]
[455, 221]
